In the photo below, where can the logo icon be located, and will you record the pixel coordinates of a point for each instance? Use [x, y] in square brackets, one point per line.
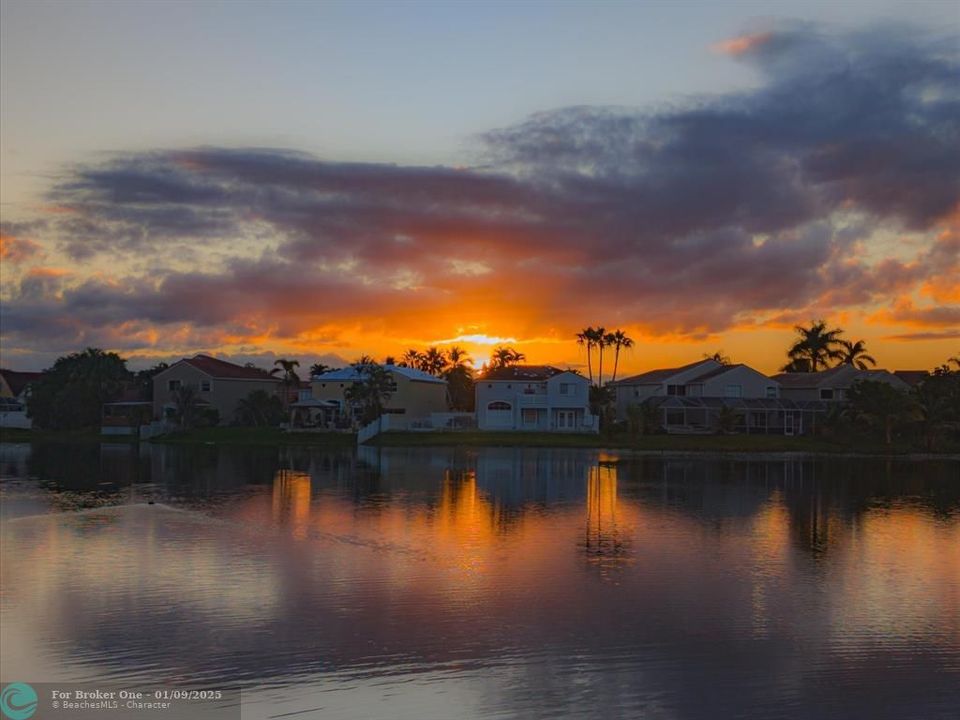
[18, 701]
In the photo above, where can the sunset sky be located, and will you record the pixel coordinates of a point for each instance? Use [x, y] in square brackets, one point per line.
[322, 180]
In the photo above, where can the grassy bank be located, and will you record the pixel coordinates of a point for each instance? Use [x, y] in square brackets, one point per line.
[254, 436]
[19, 435]
[654, 443]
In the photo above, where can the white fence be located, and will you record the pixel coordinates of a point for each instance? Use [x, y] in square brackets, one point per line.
[436, 422]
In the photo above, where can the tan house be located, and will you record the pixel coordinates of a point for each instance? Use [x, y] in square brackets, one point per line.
[414, 393]
[219, 384]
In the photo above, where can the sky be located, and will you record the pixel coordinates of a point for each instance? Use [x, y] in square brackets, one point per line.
[325, 180]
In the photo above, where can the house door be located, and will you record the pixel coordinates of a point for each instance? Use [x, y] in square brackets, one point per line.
[566, 419]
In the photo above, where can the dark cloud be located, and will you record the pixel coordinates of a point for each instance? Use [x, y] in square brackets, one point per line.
[687, 220]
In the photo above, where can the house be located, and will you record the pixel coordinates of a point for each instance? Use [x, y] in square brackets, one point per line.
[702, 379]
[413, 393]
[535, 398]
[831, 385]
[14, 393]
[913, 378]
[694, 398]
[219, 385]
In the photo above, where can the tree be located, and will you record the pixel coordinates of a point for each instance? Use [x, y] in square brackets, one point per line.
[319, 368]
[434, 361]
[600, 342]
[260, 408]
[585, 338]
[371, 392]
[727, 419]
[880, 405]
[817, 345]
[855, 353]
[144, 380]
[719, 357]
[620, 341]
[186, 405]
[412, 358]
[290, 380]
[644, 418]
[505, 356]
[71, 394]
[937, 406]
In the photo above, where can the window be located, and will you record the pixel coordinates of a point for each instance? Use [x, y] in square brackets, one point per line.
[733, 391]
[679, 390]
[499, 405]
[771, 391]
[529, 416]
[204, 386]
[173, 385]
[826, 393]
[566, 388]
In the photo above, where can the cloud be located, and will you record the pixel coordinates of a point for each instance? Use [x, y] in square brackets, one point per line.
[918, 336]
[686, 221]
[15, 249]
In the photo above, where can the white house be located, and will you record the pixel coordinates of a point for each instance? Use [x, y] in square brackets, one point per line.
[534, 398]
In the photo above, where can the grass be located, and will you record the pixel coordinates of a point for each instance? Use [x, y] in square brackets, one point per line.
[653, 443]
[254, 436]
[19, 435]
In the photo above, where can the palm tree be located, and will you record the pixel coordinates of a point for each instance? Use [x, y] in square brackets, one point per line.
[290, 380]
[319, 368]
[187, 405]
[817, 345]
[371, 392]
[413, 358]
[459, 377]
[389, 360]
[855, 353]
[880, 404]
[458, 356]
[600, 341]
[434, 361]
[585, 338]
[619, 339]
[504, 356]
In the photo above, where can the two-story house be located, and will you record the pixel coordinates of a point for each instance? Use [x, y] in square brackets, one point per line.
[534, 398]
[832, 385]
[218, 384]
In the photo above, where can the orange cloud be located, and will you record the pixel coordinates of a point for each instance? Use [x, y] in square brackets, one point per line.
[15, 250]
[743, 44]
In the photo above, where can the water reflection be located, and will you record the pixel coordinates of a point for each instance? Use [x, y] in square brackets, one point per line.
[523, 582]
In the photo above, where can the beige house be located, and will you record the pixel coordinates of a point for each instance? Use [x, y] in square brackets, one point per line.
[415, 394]
[219, 384]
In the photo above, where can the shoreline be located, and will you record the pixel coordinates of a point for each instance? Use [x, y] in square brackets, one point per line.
[654, 444]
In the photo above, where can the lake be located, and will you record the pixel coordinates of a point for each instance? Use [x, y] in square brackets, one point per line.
[488, 582]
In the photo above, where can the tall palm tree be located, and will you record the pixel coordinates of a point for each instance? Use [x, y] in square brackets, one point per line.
[855, 353]
[619, 339]
[459, 377]
[600, 341]
[458, 356]
[816, 344]
[585, 338]
[290, 379]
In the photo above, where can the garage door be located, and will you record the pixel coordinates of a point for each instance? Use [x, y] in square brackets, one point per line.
[499, 415]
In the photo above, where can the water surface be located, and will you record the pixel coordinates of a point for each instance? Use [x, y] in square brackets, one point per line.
[488, 583]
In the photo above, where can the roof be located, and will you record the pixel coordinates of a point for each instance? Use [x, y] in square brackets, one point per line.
[715, 372]
[839, 376]
[19, 380]
[222, 369]
[352, 374]
[655, 377]
[912, 377]
[522, 373]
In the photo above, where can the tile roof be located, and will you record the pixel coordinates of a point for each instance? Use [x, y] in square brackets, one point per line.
[19, 380]
[654, 377]
[216, 368]
[522, 373]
